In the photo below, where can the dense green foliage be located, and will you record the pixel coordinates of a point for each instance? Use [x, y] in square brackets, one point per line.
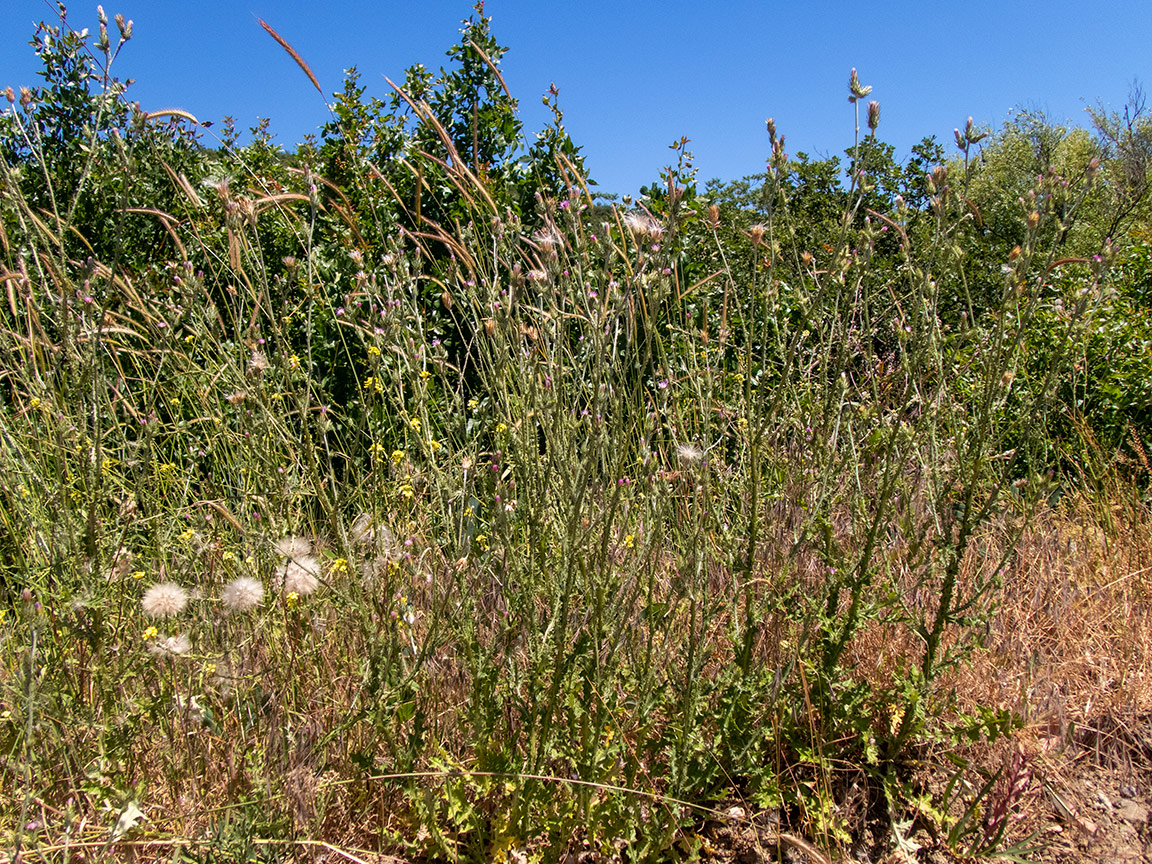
[600, 500]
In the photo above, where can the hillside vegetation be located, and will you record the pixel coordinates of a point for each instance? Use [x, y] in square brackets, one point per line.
[399, 495]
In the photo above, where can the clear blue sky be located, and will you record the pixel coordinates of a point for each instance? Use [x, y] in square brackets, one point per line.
[634, 76]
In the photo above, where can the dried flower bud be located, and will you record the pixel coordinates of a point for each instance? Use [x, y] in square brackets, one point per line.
[806, 257]
[971, 136]
[1033, 220]
[873, 115]
[490, 326]
[10, 95]
[713, 216]
[939, 178]
[771, 124]
[756, 233]
[855, 88]
[25, 98]
[446, 299]
[1014, 254]
[100, 16]
[1090, 172]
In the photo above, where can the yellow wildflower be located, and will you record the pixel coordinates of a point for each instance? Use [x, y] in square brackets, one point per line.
[373, 351]
[151, 633]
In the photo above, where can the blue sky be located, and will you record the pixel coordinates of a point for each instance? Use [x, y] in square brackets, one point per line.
[635, 76]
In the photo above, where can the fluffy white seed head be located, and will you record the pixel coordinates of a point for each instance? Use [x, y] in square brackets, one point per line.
[242, 593]
[300, 576]
[293, 547]
[170, 646]
[163, 600]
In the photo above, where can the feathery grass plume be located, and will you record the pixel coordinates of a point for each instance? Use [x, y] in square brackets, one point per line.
[292, 53]
[242, 593]
[293, 547]
[170, 646]
[164, 599]
[301, 576]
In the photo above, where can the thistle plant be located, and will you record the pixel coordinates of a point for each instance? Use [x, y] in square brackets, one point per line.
[466, 498]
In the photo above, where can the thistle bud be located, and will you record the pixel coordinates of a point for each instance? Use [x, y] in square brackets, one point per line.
[855, 89]
[10, 95]
[939, 178]
[713, 216]
[971, 136]
[1089, 173]
[1033, 220]
[490, 326]
[446, 299]
[100, 16]
[771, 125]
[873, 115]
[25, 98]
